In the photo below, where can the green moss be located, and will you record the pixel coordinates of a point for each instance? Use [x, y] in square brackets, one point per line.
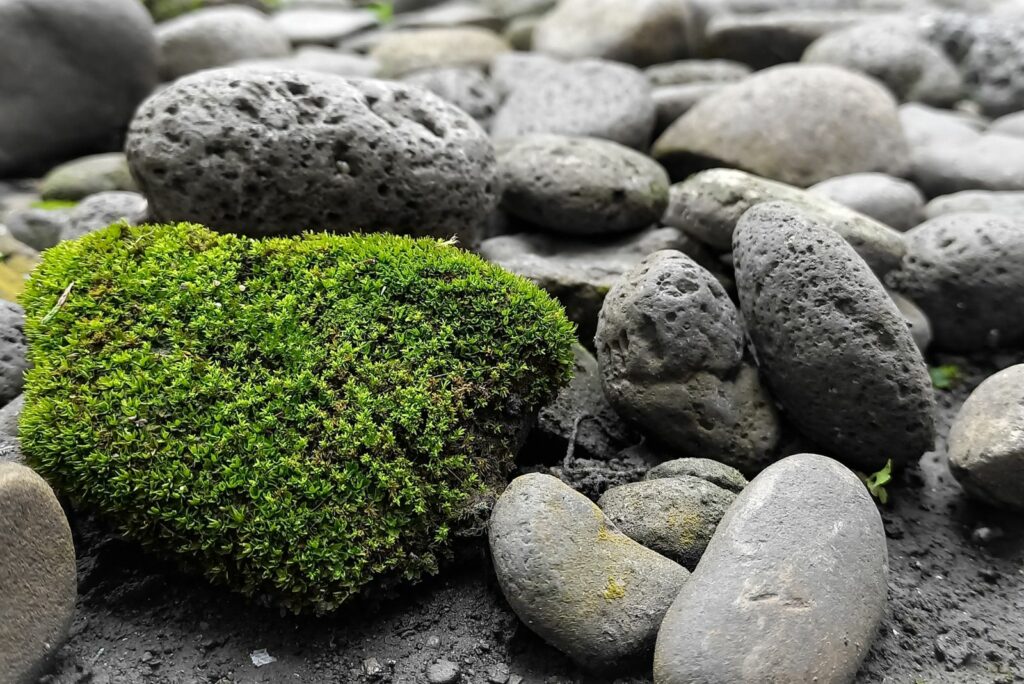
[51, 205]
[301, 417]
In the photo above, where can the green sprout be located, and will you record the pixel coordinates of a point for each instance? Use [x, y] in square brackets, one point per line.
[385, 11]
[945, 377]
[876, 482]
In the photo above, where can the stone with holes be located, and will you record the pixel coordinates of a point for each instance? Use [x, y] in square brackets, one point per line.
[576, 580]
[836, 352]
[966, 271]
[12, 350]
[265, 152]
[671, 349]
[468, 88]
[791, 588]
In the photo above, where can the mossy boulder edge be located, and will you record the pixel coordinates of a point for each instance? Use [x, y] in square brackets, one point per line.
[303, 418]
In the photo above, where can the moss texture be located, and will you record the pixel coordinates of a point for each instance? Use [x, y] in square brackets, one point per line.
[301, 417]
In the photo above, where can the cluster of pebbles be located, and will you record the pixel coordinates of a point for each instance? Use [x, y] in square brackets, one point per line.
[762, 216]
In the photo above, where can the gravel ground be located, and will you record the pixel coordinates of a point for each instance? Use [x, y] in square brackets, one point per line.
[956, 593]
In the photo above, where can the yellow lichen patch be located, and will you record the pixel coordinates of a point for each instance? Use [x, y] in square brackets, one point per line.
[615, 589]
[688, 525]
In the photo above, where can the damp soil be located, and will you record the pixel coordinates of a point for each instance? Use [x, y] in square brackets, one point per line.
[955, 613]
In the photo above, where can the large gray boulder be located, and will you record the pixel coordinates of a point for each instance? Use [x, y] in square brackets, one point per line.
[580, 186]
[72, 74]
[670, 344]
[217, 36]
[986, 440]
[709, 204]
[281, 152]
[966, 271]
[573, 578]
[799, 124]
[792, 587]
[37, 573]
[836, 352]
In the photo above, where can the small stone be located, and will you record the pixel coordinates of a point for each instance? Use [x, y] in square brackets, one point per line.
[318, 59]
[986, 440]
[985, 162]
[953, 648]
[216, 36]
[37, 573]
[715, 472]
[924, 125]
[373, 669]
[690, 71]
[893, 201]
[498, 674]
[834, 348]
[321, 26]
[38, 228]
[675, 516]
[916, 319]
[13, 363]
[792, 587]
[574, 579]
[465, 87]
[86, 176]
[674, 101]
[443, 672]
[1007, 202]
[408, 50]
[102, 209]
[580, 186]
[799, 124]
[10, 414]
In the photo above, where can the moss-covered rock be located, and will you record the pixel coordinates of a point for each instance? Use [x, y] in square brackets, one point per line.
[304, 418]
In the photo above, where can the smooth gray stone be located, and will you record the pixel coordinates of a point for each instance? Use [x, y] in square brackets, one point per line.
[893, 201]
[675, 100]
[580, 186]
[72, 74]
[574, 579]
[79, 178]
[215, 37]
[916, 319]
[834, 348]
[319, 59]
[674, 516]
[102, 209]
[799, 124]
[10, 414]
[690, 71]
[966, 272]
[37, 573]
[595, 98]
[715, 472]
[233, 149]
[987, 162]
[670, 344]
[923, 125]
[1009, 202]
[709, 204]
[318, 26]
[792, 587]
[38, 228]
[1011, 124]
[404, 51]
[986, 440]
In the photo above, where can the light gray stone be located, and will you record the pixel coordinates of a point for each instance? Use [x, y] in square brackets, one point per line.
[86, 176]
[1011, 124]
[38, 228]
[670, 344]
[217, 36]
[37, 572]
[10, 414]
[322, 26]
[674, 516]
[792, 587]
[100, 210]
[690, 71]
[674, 101]
[13, 363]
[893, 201]
[986, 440]
[405, 51]
[916, 319]
[799, 124]
[467, 88]
[232, 149]
[834, 348]
[966, 271]
[709, 204]
[318, 59]
[923, 125]
[450, 14]
[987, 162]
[1009, 202]
[73, 73]
[715, 472]
[573, 578]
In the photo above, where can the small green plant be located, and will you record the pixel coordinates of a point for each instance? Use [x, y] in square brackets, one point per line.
[51, 205]
[385, 11]
[300, 418]
[945, 377]
[876, 482]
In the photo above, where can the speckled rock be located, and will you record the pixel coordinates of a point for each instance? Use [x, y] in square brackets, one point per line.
[671, 349]
[674, 516]
[37, 572]
[465, 87]
[322, 25]
[895, 202]
[579, 272]
[12, 350]
[688, 71]
[80, 178]
[10, 414]
[100, 210]
[576, 580]
[73, 73]
[231, 149]
[216, 36]
[715, 472]
[799, 124]
[792, 587]
[318, 59]
[986, 162]
[594, 98]
[408, 50]
[890, 51]
[834, 348]
[915, 318]
[709, 204]
[966, 271]
[1010, 202]
[986, 440]
[580, 186]
[640, 32]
